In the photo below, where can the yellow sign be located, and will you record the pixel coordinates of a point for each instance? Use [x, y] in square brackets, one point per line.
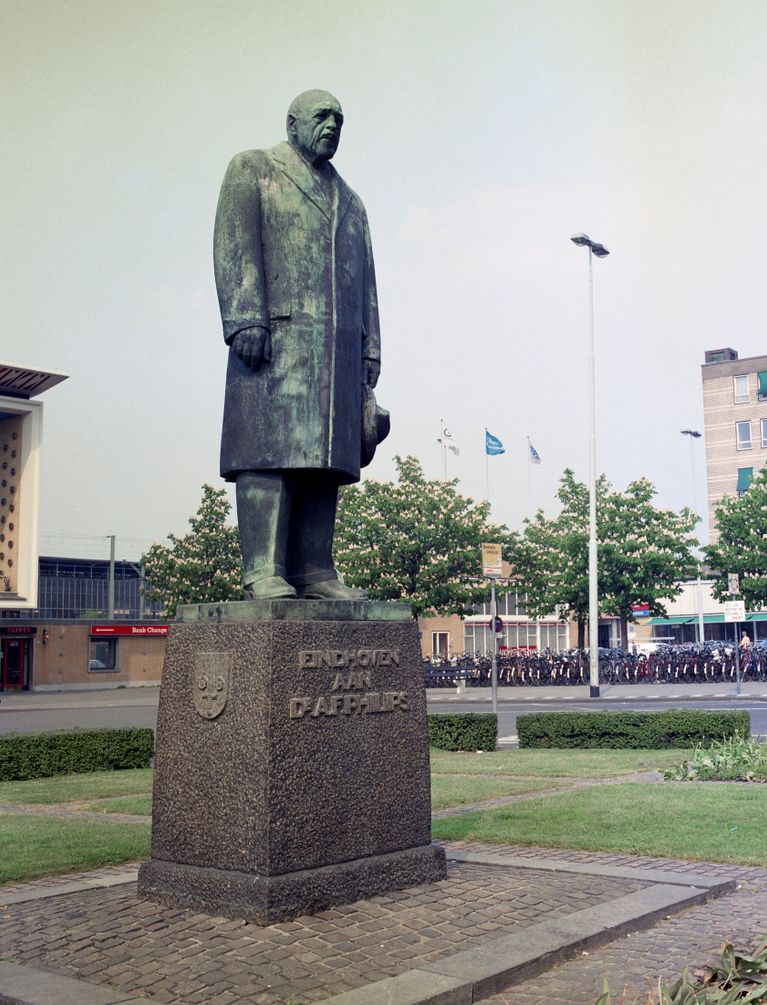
[492, 563]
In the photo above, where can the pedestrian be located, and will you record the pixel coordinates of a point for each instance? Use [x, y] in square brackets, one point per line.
[745, 643]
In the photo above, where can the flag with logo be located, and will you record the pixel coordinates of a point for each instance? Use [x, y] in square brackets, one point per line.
[535, 457]
[493, 445]
[446, 440]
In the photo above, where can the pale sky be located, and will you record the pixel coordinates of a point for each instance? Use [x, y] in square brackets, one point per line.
[480, 137]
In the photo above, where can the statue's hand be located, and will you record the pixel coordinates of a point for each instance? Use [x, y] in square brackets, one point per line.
[372, 371]
[253, 346]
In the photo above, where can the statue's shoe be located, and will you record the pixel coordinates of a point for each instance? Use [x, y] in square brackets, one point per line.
[330, 589]
[271, 588]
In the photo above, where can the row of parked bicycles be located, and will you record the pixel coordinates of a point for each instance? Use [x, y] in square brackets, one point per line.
[690, 663]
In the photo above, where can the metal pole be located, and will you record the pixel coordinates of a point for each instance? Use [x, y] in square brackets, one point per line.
[737, 660]
[593, 585]
[494, 668]
[111, 588]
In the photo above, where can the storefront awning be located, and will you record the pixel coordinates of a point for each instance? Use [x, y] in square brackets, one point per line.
[672, 621]
[762, 616]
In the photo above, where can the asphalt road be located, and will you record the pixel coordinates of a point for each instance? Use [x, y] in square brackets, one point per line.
[41, 711]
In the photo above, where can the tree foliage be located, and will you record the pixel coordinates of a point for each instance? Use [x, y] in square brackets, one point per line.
[643, 552]
[415, 540]
[204, 566]
[741, 544]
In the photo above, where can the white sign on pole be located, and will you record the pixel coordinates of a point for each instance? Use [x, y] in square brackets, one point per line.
[733, 583]
[734, 610]
[492, 563]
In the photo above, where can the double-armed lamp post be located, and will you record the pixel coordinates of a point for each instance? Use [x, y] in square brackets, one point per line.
[601, 252]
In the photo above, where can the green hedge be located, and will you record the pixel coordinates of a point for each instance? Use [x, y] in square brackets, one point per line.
[684, 727]
[41, 755]
[463, 731]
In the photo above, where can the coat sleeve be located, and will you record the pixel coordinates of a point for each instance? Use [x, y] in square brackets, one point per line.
[237, 252]
[371, 331]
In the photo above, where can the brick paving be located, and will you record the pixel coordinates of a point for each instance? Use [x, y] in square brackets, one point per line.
[179, 957]
[637, 961]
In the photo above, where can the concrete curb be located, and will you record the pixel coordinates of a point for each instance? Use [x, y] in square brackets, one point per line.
[27, 986]
[61, 889]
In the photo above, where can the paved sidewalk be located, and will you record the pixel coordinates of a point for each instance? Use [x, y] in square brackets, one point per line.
[488, 924]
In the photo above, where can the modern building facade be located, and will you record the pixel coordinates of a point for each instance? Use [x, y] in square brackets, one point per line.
[735, 418]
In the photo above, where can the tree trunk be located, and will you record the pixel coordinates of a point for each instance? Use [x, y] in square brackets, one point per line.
[624, 622]
[581, 633]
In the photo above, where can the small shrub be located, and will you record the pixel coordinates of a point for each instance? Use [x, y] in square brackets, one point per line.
[41, 755]
[732, 760]
[464, 731]
[681, 727]
[734, 977]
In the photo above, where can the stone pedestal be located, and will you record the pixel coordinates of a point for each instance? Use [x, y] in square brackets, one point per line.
[292, 766]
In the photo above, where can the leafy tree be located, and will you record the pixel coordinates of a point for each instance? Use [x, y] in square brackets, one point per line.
[550, 557]
[741, 544]
[415, 540]
[204, 566]
[642, 553]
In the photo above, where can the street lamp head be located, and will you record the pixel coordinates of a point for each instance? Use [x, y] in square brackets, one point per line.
[584, 241]
[691, 432]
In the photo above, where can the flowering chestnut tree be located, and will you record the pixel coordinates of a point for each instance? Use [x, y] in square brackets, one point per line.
[415, 540]
[204, 566]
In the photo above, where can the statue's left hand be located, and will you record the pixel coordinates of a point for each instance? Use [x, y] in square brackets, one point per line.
[372, 371]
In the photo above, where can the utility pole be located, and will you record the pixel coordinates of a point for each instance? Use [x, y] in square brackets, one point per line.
[111, 586]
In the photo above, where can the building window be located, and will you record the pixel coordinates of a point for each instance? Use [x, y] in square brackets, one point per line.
[440, 644]
[740, 383]
[744, 480]
[761, 385]
[743, 435]
[102, 656]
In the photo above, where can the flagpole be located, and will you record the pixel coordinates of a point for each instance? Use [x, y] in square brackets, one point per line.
[487, 471]
[529, 480]
[444, 449]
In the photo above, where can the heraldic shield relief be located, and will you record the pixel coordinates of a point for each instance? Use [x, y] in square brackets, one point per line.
[210, 685]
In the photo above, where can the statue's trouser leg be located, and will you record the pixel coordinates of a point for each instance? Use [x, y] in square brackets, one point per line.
[263, 516]
[313, 520]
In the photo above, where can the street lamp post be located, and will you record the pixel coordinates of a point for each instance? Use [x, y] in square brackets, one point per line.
[601, 252]
[695, 435]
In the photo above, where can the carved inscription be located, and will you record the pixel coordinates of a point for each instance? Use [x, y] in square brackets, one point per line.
[210, 683]
[369, 703]
[351, 689]
[316, 659]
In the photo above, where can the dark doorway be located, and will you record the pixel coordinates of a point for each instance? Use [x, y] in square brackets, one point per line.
[14, 673]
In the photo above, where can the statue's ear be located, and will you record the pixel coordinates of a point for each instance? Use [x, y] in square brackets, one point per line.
[291, 125]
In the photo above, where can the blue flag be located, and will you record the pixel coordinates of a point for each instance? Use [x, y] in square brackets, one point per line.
[535, 457]
[493, 445]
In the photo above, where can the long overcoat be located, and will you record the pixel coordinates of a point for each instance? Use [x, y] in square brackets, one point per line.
[292, 253]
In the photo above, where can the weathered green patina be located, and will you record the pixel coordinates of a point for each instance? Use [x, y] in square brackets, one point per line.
[296, 286]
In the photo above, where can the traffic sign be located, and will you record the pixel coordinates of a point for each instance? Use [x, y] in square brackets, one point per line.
[733, 583]
[734, 610]
[492, 563]
[496, 624]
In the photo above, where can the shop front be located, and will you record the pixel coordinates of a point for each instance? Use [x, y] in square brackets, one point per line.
[16, 653]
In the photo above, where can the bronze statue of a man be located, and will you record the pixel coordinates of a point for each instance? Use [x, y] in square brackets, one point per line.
[297, 291]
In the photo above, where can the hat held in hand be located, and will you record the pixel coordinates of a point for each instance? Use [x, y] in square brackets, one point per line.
[375, 425]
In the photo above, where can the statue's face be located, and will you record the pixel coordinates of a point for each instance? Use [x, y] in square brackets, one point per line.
[316, 129]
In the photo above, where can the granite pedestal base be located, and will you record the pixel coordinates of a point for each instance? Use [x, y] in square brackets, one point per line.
[292, 768]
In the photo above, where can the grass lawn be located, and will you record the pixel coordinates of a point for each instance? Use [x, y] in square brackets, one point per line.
[552, 763]
[78, 788]
[139, 805]
[721, 823]
[42, 846]
[456, 790]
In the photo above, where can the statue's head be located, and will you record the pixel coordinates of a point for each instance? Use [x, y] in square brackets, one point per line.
[314, 125]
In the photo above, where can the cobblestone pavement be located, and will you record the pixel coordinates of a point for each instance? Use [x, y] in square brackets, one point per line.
[180, 957]
[637, 961]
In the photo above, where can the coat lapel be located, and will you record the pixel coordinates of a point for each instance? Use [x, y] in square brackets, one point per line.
[293, 165]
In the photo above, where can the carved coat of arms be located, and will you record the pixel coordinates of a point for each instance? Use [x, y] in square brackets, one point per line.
[210, 684]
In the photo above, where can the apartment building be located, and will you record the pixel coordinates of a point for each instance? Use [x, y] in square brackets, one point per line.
[735, 417]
